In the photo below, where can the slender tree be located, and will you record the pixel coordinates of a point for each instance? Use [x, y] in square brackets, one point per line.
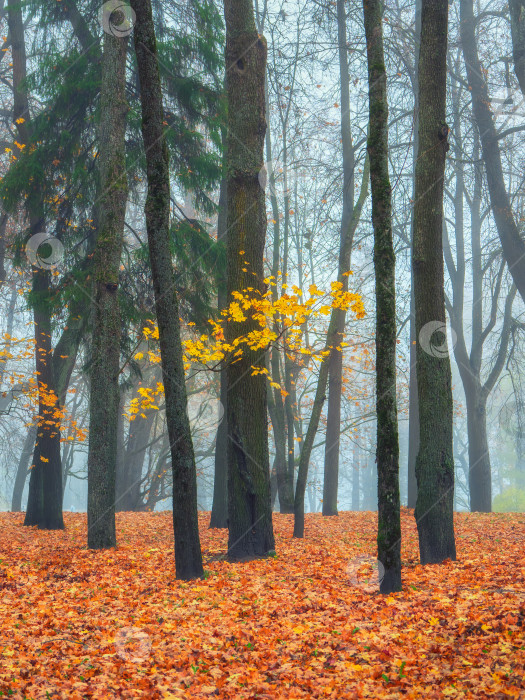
[435, 462]
[188, 557]
[249, 505]
[105, 350]
[44, 507]
[387, 455]
[512, 243]
[335, 360]
[219, 509]
[413, 408]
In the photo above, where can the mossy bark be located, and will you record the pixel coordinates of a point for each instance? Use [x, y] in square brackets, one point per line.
[249, 505]
[387, 454]
[435, 461]
[105, 348]
[188, 557]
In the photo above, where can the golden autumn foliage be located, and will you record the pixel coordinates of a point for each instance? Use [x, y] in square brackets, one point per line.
[308, 623]
[280, 320]
[31, 393]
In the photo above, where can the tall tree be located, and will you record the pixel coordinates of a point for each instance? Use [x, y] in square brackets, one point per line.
[105, 350]
[188, 557]
[512, 243]
[471, 363]
[435, 461]
[44, 506]
[335, 360]
[387, 455]
[249, 506]
[319, 398]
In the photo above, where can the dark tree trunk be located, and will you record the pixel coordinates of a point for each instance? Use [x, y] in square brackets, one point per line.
[188, 557]
[517, 25]
[435, 461]
[387, 455]
[105, 350]
[44, 506]
[249, 502]
[512, 243]
[335, 374]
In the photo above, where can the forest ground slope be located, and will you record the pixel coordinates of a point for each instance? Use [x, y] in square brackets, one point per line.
[306, 623]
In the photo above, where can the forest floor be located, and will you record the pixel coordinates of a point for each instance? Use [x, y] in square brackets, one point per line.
[308, 623]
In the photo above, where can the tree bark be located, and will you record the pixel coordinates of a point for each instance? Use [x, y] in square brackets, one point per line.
[435, 461]
[188, 557]
[249, 503]
[512, 243]
[335, 360]
[105, 351]
[517, 25]
[387, 455]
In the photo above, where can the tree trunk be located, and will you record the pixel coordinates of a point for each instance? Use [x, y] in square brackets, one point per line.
[413, 407]
[105, 351]
[512, 243]
[335, 374]
[249, 501]
[188, 557]
[480, 476]
[435, 461]
[387, 455]
[44, 506]
[22, 470]
[219, 509]
[517, 25]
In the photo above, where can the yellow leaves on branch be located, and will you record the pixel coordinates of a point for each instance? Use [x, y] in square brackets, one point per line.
[260, 321]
